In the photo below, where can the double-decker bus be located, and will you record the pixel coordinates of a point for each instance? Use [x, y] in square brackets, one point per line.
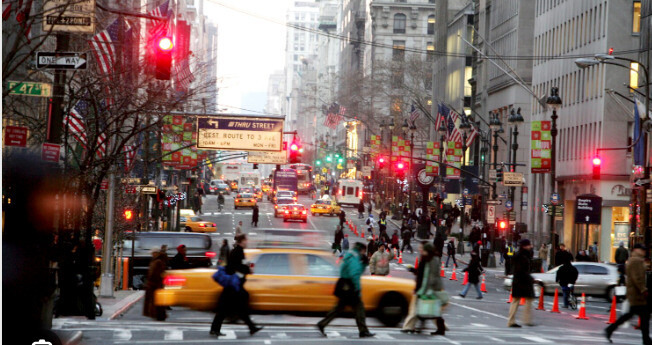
[304, 177]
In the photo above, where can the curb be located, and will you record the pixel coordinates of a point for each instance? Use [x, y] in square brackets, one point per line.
[126, 307]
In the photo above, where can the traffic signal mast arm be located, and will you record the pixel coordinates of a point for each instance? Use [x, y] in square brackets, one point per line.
[458, 168]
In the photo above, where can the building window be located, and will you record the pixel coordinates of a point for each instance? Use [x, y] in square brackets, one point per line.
[633, 75]
[468, 74]
[399, 23]
[398, 51]
[636, 17]
[431, 25]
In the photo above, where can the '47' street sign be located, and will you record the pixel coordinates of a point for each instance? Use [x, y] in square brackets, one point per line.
[29, 89]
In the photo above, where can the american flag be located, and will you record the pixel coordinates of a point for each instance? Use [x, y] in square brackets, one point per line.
[454, 134]
[6, 9]
[160, 25]
[414, 113]
[130, 154]
[75, 120]
[474, 133]
[335, 116]
[104, 49]
[102, 144]
[22, 15]
[183, 74]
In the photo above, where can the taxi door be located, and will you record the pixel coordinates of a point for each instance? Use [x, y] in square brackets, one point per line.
[273, 284]
[317, 275]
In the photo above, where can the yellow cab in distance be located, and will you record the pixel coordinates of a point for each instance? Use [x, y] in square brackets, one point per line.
[196, 224]
[289, 277]
[325, 206]
[244, 200]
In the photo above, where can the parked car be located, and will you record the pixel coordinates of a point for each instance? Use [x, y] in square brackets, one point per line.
[595, 279]
[198, 250]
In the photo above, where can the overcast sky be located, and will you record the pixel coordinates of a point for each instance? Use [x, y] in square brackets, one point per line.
[249, 49]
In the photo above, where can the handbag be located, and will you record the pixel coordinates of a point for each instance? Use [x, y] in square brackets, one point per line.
[428, 306]
[344, 289]
[226, 280]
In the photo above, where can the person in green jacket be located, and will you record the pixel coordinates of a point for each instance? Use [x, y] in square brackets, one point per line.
[354, 263]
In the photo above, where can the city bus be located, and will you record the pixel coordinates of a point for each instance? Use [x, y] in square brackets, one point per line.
[304, 177]
[283, 179]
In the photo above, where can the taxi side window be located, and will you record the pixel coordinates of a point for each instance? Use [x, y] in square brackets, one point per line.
[273, 264]
[318, 266]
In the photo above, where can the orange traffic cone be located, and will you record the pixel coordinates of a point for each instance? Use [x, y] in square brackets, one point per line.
[400, 257]
[483, 286]
[541, 307]
[522, 302]
[582, 314]
[443, 271]
[466, 278]
[454, 275]
[612, 313]
[416, 263]
[510, 297]
[395, 256]
[555, 303]
[337, 261]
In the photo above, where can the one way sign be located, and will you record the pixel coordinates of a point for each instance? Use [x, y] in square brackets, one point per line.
[61, 60]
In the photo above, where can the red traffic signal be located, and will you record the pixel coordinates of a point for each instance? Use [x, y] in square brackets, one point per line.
[501, 224]
[597, 162]
[400, 165]
[163, 47]
[294, 147]
[129, 215]
[165, 44]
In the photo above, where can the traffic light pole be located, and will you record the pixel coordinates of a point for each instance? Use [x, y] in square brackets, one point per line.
[106, 280]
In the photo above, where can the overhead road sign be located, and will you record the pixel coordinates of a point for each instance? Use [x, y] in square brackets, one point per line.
[267, 157]
[239, 133]
[27, 88]
[77, 16]
[61, 60]
[512, 179]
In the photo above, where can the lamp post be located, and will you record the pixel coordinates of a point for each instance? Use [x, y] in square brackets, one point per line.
[440, 213]
[391, 127]
[411, 130]
[554, 101]
[515, 118]
[465, 126]
[495, 125]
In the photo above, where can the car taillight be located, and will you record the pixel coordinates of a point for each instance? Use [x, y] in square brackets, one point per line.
[275, 206]
[304, 212]
[295, 198]
[287, 212]
[340, 192]
[252, 265]
[174, 281]
[211, 254]
[214, 225]
[360, 194]
[252, 200]
[237, 200]
[202, 225]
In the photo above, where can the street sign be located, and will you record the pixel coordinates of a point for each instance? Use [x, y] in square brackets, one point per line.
[509, 205]
[324, 170]
[239, 133]
[491, 214]
[554, 199]
[267, 157]
[77, 17]
[50, 152]
[494, 202]
[512, 179]
[588, 209]
[366, 170]
[641, 182]
[492, 174]
[27, 88]
[104, 185]
[61, 60]
[130, 189]
[16, 136]
[147, 189]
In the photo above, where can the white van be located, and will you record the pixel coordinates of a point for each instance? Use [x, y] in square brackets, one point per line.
[349, 192]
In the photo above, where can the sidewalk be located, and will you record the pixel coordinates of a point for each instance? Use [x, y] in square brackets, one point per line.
[112, 307]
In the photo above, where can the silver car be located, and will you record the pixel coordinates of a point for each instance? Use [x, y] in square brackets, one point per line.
[594, 279]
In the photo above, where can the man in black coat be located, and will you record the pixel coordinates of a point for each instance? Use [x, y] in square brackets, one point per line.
[522, 284]
[234, 301]
[451, 252]
[563, 256]
[342, 218]
[254, 216]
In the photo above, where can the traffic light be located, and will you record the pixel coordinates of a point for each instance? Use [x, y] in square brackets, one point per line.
[295, 151]
[163, 57]
[381, 162]
[329, 158]
[129, 215]
[318, 162]
[499, 175]
[400, 168]
[597, 161]
[501, 225]
[340, 160]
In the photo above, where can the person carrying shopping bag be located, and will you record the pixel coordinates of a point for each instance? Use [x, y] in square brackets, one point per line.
[429, 295]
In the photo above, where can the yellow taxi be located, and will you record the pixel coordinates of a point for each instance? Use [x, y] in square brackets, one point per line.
[234, 185]
[196, 224]
[288, 280]
[244, 200]
[325, 206]
[266, 187]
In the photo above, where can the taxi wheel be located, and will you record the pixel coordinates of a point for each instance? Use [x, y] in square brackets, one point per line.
[188, 229]
[391, 309]
[313, 213]
[285, 220]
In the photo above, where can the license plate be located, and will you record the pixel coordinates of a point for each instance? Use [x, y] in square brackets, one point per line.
[295, 212]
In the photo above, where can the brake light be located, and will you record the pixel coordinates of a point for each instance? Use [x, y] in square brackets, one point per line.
[304, 212]
[287, 212]
[202, 225]
[211, 254]
[252, 200]
[360, 194]
[295, 198]
[214, 225]
[340, 192]
[174, 281]
[237, 200]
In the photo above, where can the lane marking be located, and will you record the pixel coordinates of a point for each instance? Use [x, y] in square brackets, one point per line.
[173, 334]
[267, 342]
[496, 340]
[279, 335]
[230, 334]
[537, 339]
[384, 335]
[479, 310]
[122, 334]
[479, 325]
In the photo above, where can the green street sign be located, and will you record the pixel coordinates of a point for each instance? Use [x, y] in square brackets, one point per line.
[29, 89]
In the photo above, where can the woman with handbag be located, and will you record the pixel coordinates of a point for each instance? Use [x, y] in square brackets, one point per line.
[235, 299]
[429, 295]
[347, 290]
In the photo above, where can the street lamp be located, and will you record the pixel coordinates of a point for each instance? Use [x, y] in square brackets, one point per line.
[465, 126]
[554, 101]
[496, 126]
[412, 130]
[515, 118]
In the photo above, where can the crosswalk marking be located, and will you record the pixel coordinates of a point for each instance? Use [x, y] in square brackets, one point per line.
[279, 335]
[230, 334]
[383, 335]
[537, 339]
[333, 334]
[122, 334]
[173, 334]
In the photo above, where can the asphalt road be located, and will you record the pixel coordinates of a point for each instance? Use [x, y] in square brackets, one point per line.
[470, 321]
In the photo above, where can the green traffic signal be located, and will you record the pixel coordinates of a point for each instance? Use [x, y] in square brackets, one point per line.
[340, 160]
[337, 155]
[318, 162]
[328, 159]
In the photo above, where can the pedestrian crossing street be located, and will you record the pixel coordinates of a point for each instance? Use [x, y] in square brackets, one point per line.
[169, 333]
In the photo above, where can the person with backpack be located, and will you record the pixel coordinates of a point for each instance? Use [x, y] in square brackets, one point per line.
[348, 290]
[234, 299]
